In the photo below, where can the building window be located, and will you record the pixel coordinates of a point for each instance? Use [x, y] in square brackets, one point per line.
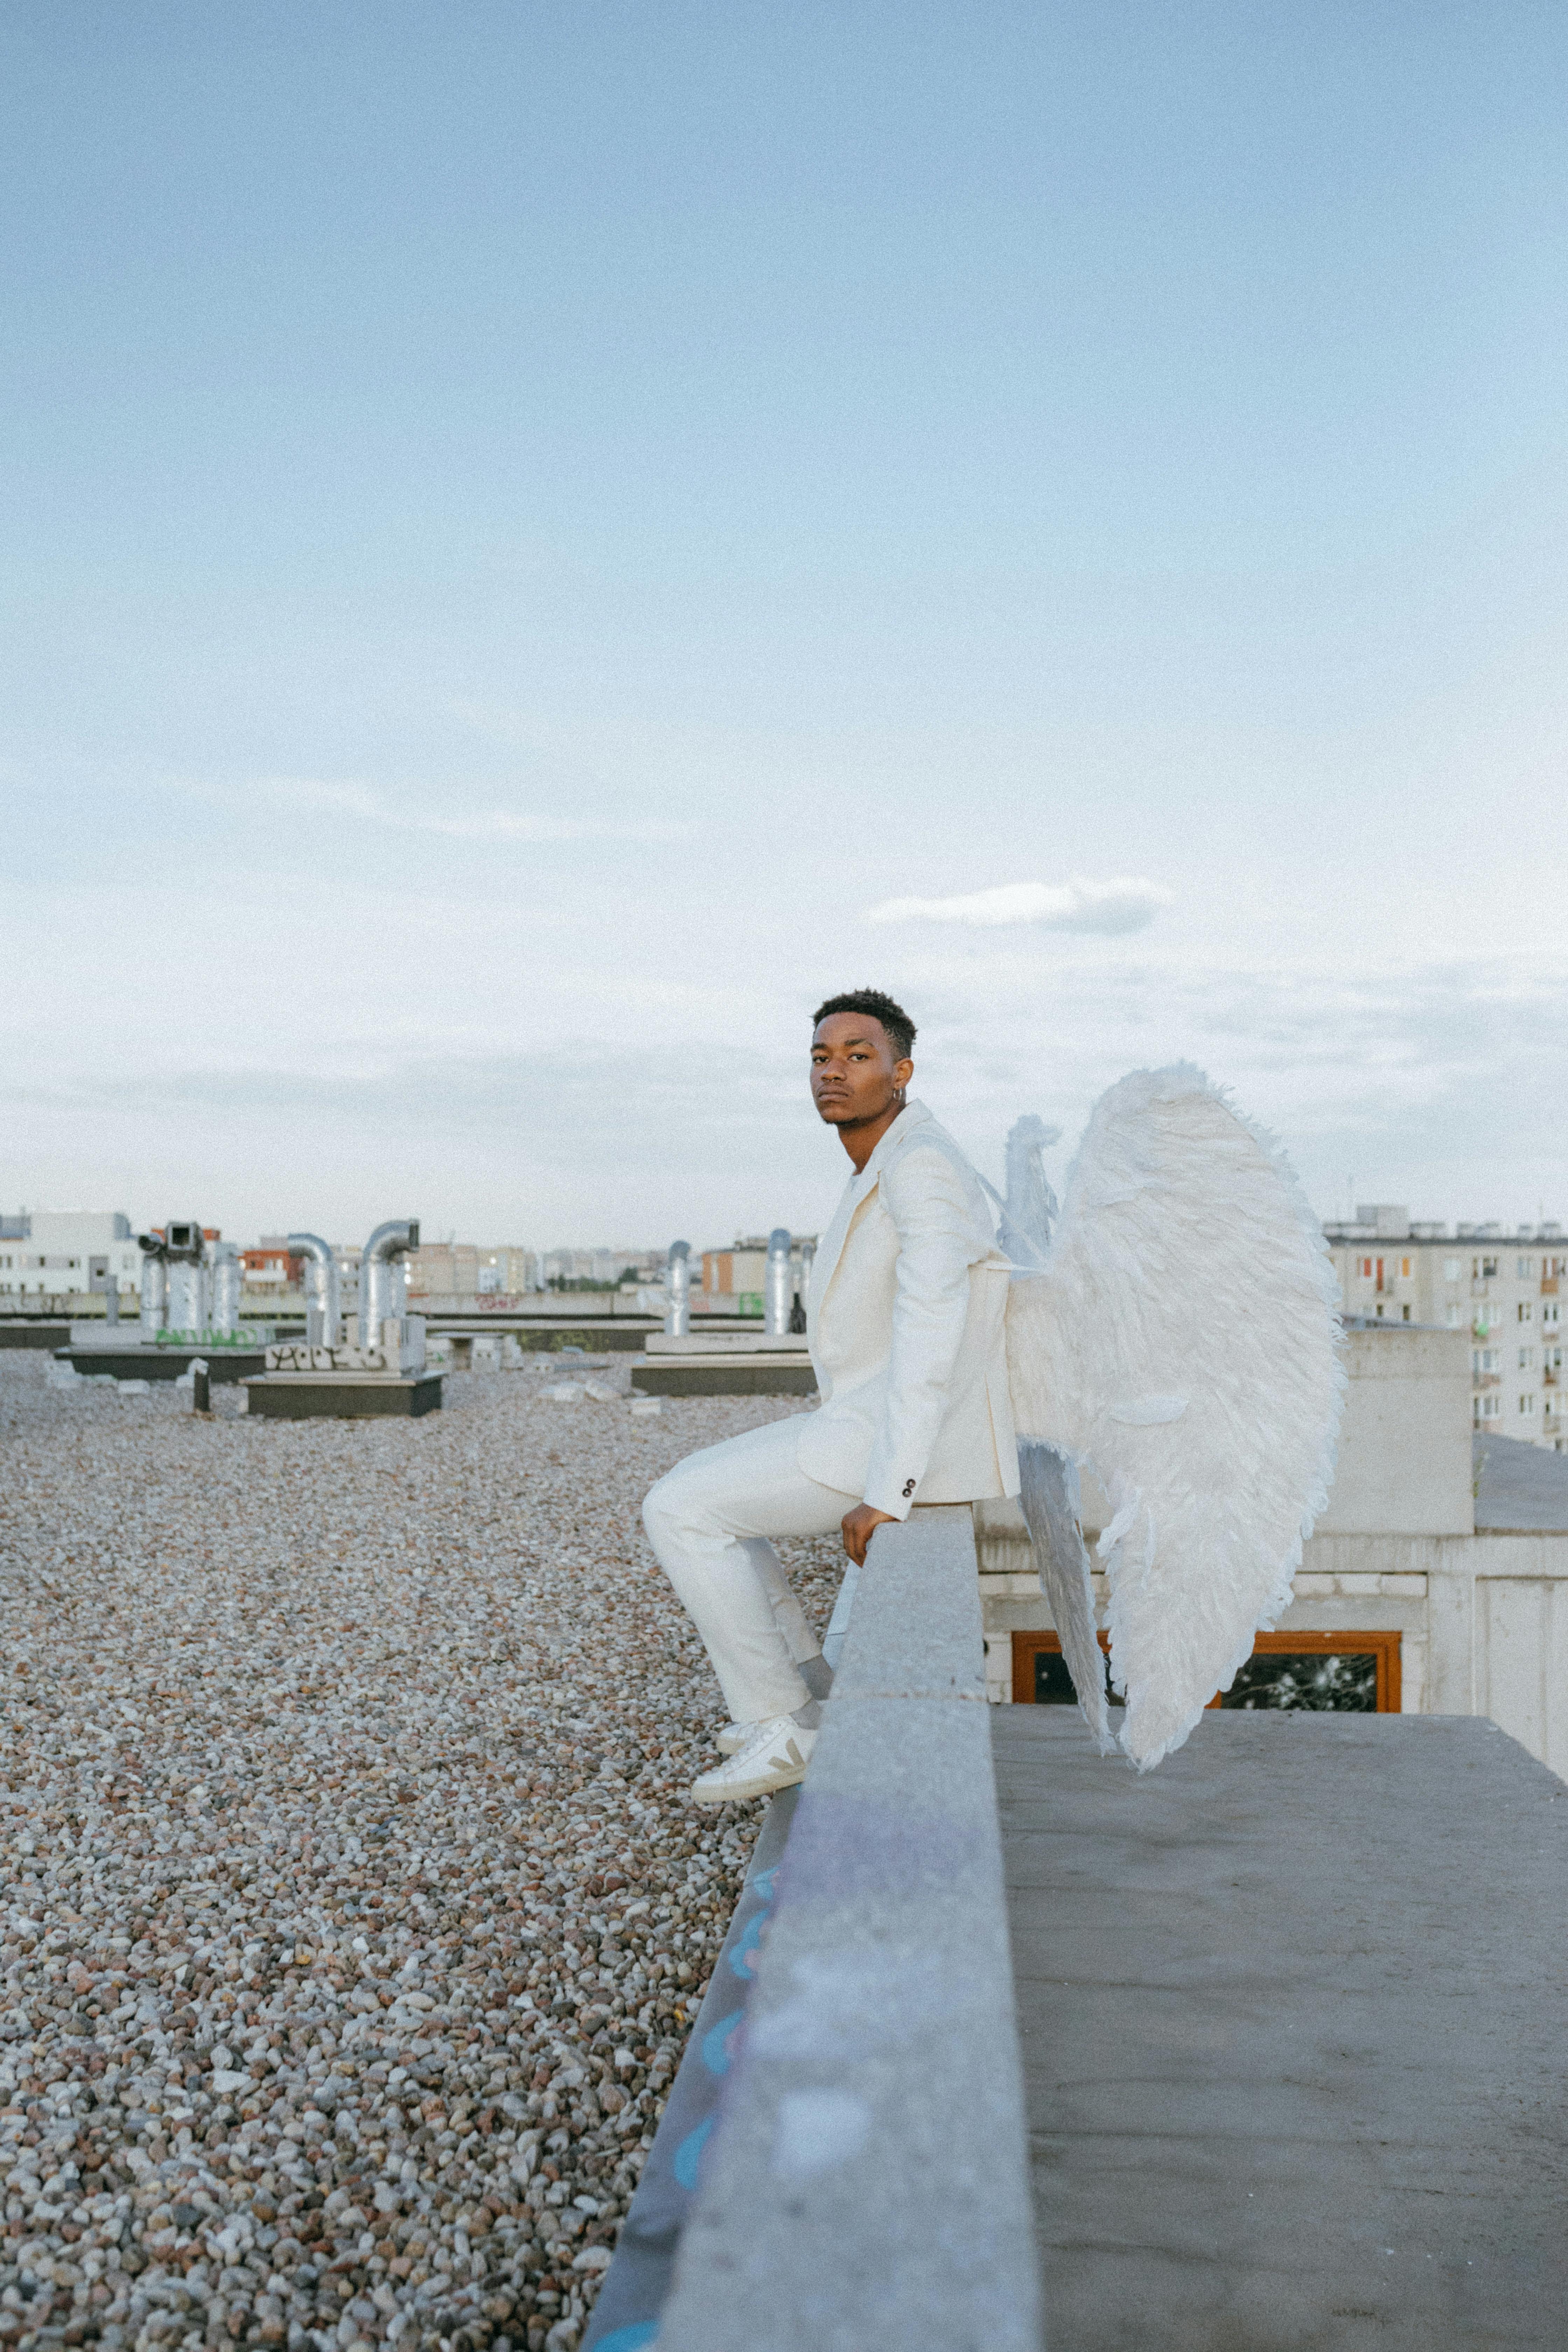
[1526, 1311]
[1526, 1360]
[1404, 1312]
[1549, 1312]
[1488, 1407]
[1367, 1269]
[1487, 1268]
[1453, 1269]
[1527, 1405]
[1526, 1268]
[1455, 1315]
[1356, 1673]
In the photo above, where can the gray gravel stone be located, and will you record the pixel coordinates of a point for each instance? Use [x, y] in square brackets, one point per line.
[354, 1911]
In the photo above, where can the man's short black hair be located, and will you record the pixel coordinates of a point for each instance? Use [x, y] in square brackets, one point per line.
[880, 1007]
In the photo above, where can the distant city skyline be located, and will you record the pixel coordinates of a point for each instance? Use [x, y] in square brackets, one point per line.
[541, 543]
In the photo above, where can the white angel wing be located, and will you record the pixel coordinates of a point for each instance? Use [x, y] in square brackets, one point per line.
[1183, 1339]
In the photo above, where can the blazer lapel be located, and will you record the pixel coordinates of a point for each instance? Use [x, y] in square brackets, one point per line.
[838, 1234]
[860, 1187]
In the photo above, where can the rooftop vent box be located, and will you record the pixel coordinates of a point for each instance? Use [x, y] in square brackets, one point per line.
[1390, 1220]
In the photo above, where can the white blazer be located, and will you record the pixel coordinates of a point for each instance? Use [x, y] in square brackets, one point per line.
[905, 1325]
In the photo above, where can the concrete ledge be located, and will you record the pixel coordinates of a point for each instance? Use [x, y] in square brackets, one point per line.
[134, 1363]
[638, 2281]
[34, 1335]
[719, 1377]
[727, 1343]
[542, 1339]
[866, 2187]
[297, 1396]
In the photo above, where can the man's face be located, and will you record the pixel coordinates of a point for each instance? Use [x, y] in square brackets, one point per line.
[855, 1077]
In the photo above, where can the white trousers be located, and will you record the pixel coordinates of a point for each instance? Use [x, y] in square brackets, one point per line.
[709, 1521]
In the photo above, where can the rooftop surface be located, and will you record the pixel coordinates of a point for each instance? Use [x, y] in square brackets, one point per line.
[1522, 1489]
[347, 1768]
[1292, 2009]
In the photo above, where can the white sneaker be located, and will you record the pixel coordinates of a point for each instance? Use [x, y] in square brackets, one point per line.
[776, 1757]
[734, 1736]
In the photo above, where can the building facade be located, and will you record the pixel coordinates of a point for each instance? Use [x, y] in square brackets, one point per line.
[1442, 1557]
[64, 1252]
[271, 1266]
[1502, 1286]
[735, 1280]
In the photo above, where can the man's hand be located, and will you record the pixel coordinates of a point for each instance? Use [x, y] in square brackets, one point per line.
[859, 1525]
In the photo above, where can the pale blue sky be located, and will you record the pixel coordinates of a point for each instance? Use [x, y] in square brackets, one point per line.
[523, 525]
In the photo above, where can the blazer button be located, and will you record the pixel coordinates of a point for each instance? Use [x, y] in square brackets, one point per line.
[908, 1489]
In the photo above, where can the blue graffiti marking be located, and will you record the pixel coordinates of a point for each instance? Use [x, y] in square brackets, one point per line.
[716, 2043]
[689, 2155]
[746, 1944]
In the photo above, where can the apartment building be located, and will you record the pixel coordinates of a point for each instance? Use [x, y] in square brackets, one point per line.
[1502, 1285]
[735, 1279]
[737, 1276]
[64, 1252]
[444, 1270]
[272, 1265]
[509, 1272]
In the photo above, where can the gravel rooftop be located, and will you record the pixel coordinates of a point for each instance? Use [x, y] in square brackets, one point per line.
[355, 1911]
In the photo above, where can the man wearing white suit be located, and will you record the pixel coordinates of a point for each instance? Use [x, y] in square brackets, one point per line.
[905, 1326]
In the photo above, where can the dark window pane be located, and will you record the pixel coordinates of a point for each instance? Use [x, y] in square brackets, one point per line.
[1053, 1683]
[1307, 1679]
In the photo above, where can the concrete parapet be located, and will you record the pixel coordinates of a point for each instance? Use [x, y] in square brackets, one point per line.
[1404, 1443]
[866, 2187]
[342, 1396]
[776, 1373]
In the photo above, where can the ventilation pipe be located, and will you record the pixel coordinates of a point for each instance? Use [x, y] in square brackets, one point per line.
[154, 1286]
[382, 1293]
[187, 1276]
[677, 1289]
[225, 1286]
[324, 1299]
[779, 1292]
[800, 1311]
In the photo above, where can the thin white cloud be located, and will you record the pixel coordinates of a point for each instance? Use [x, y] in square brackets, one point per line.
[1122, 905]
[481, 825]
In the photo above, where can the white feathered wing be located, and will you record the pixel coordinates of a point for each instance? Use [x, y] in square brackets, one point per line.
[1182, 1339]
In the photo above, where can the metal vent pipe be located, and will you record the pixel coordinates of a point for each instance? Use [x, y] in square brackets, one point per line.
[324, 1290]
[381, 1291]
[154, 1286]
[799, 1316]
[225, 1286]
[677, 1289]
[778, 1298]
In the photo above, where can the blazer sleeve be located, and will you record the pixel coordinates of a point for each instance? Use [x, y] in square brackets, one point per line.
[939, 1240]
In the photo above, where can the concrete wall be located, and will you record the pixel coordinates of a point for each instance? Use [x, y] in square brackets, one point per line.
[1404, 1443]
